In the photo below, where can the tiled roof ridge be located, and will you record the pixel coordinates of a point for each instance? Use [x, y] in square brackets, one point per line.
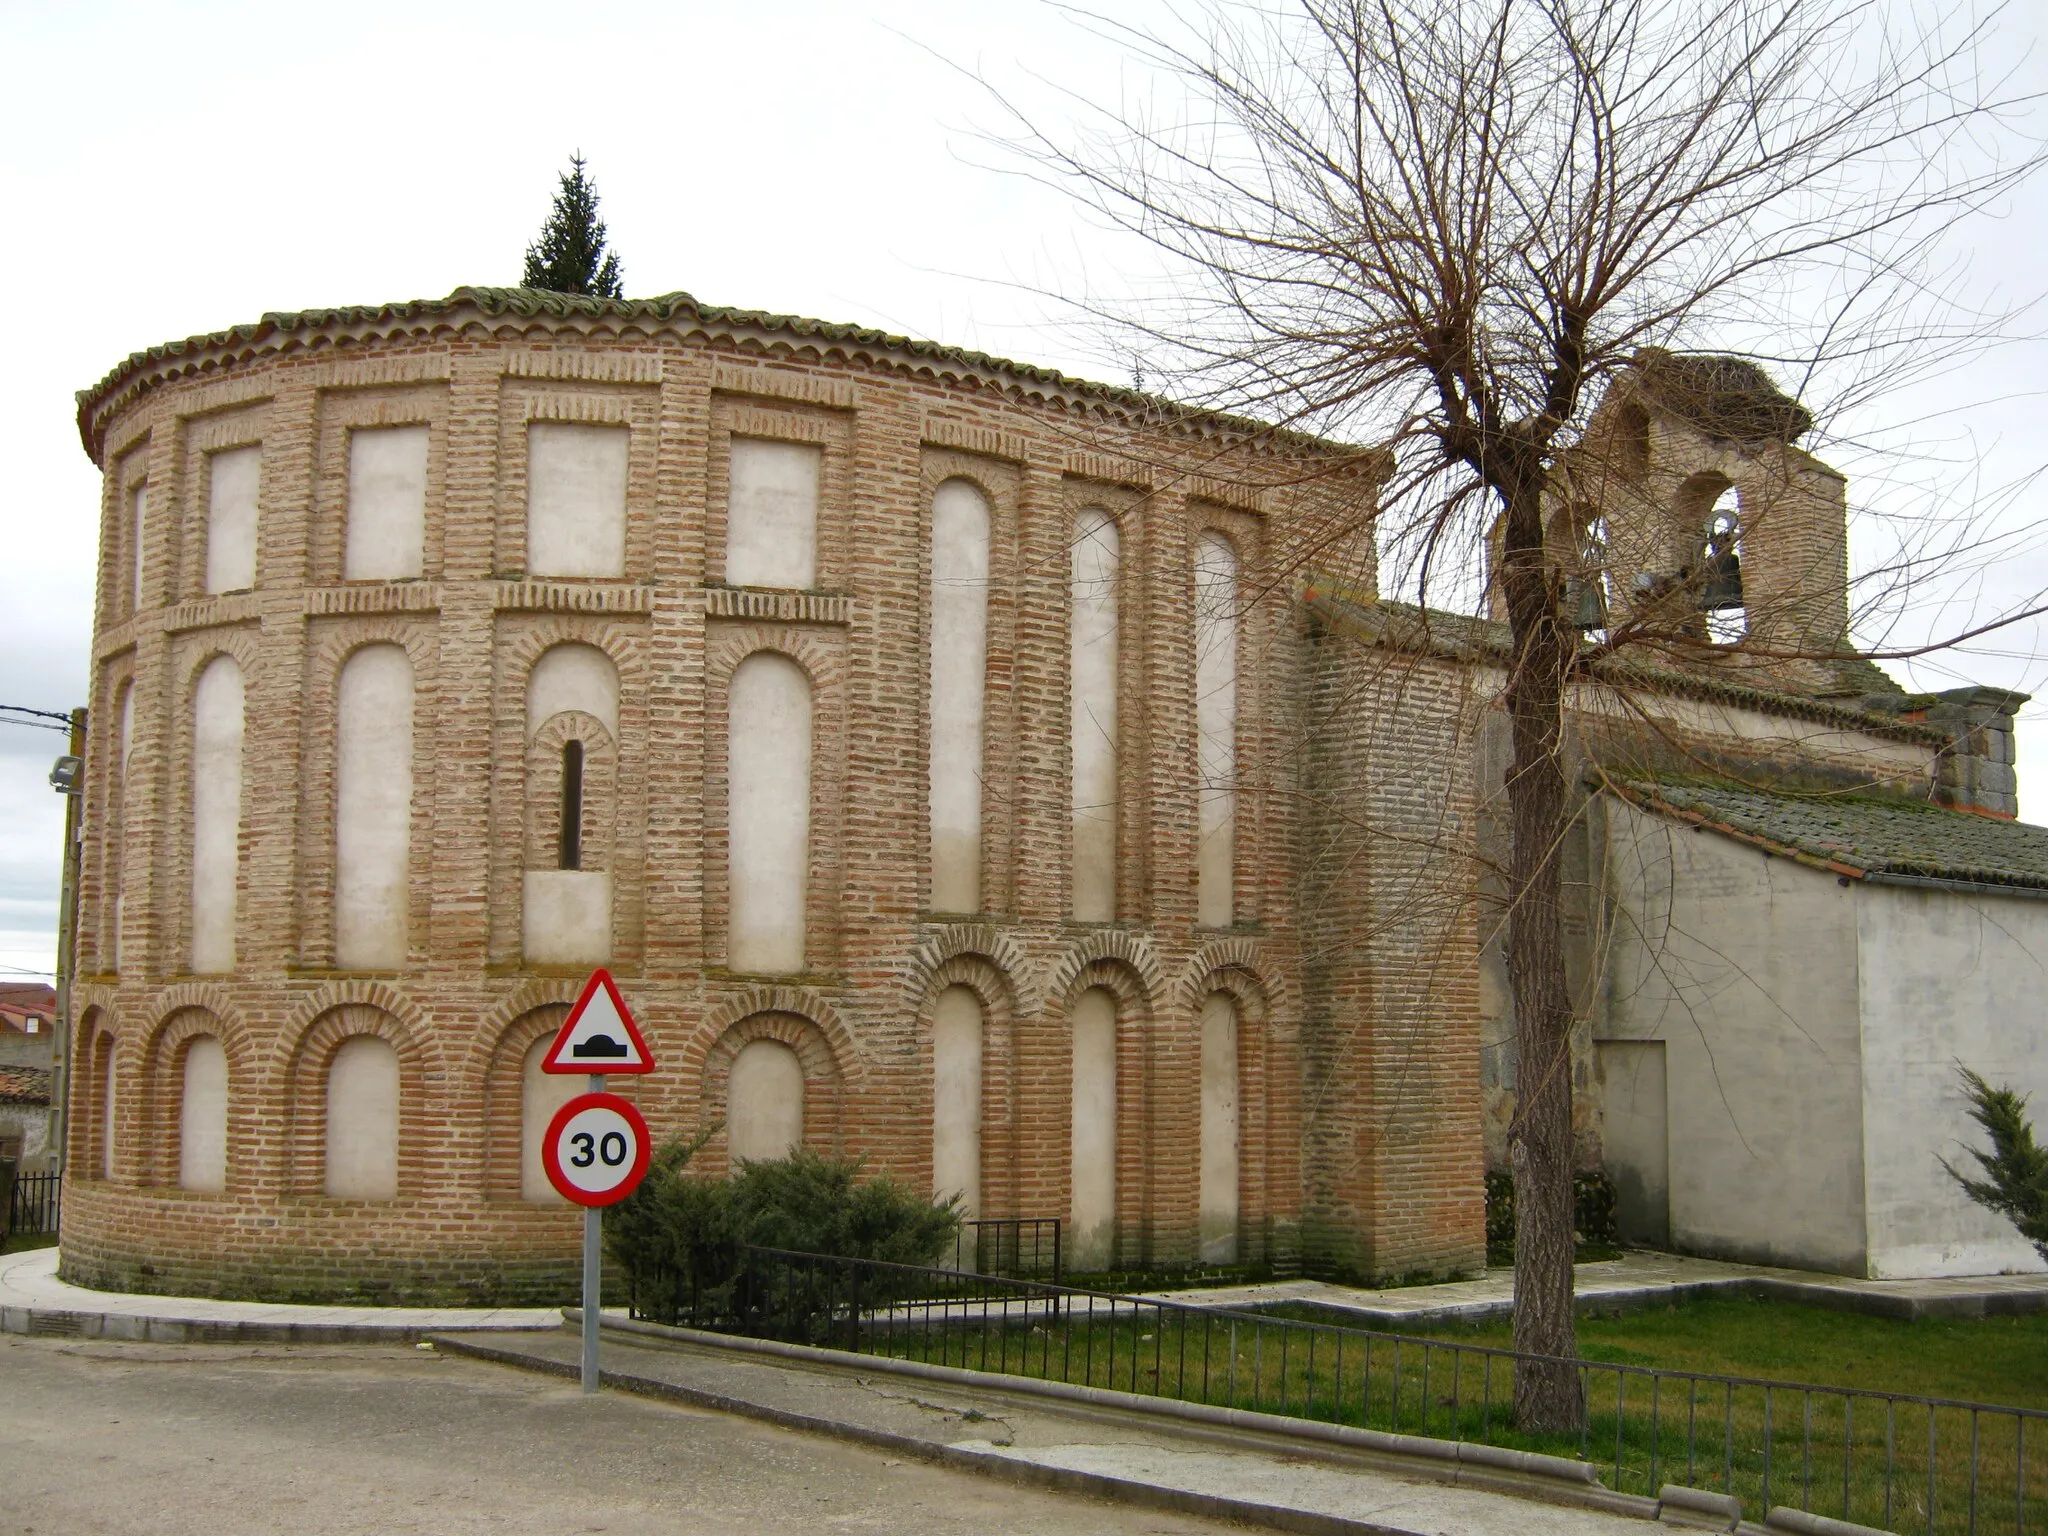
[664, 308]
[1466, 637]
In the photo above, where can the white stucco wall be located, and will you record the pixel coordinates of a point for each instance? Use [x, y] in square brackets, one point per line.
[362, 1120]
[372, 808]
[217, 715]
[771, 533]
[1635, 1137]
[232, 479]
[1221, 1136]
[956, 1098]
[110, 1102]
[573, 676]
[387, 504]
[959, 657]
[540, 1095]
[1091, 1230]
[1216, 604]
[120, 873]
[1093, 713]
[1946, 978]
[764, 1102]
[1745, 966]
[567, 917]
[576, 500]
[769, 809]
[203, 1117]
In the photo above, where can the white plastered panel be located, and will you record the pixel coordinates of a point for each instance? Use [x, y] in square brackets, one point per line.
[203, 1117]
[1092, 1217]
[764, 1102]
[771, 533]
[387, 504]
[572, 676]
[1216, 602]
[769, 810]
[1093, 711]
[956, 1098]
[233, 479]
[373, 808]
[540, 1095]
[362, 1120]
[217, 724]
[576, 499]
[959, 655]
[1220, 1134]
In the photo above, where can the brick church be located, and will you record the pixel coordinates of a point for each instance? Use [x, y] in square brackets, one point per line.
[962, 769]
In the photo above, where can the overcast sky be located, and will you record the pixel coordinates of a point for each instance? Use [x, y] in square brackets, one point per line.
[174, 169]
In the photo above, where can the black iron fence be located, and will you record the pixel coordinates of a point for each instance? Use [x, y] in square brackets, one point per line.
[1015, 1248]
[33, 1206]
[1894, 1460]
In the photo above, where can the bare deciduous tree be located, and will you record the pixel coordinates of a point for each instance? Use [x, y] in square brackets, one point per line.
[1440, 227]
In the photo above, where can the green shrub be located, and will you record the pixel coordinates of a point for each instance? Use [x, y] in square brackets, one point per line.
[1592, 1213]
[680, 1239]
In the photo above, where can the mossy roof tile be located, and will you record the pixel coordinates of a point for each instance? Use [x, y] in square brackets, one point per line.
[1859, 834]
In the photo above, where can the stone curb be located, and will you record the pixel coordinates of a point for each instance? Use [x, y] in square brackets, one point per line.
[1574, 1475]
[1553, 1480]
[138, 1328]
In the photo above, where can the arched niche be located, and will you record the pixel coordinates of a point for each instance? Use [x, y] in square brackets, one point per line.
[1222, 1131]
[203, 1115]
[373, 807]
[1095, 561]
[958, 1036]
[1216, 647]
[360, 1160]
[764, 1102]
[217, 731]
[572, 719]
[957, 692]
[768, 813]
[1092, 1144]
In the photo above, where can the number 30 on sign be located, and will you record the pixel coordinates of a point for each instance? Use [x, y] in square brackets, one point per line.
[596, 1149]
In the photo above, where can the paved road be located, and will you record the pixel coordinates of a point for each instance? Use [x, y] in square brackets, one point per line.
[218, 1440]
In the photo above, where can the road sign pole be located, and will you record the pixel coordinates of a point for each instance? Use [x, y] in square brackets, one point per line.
[593, 1273]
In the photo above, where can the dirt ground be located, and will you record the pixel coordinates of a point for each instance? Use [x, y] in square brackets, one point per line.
[170, 1439]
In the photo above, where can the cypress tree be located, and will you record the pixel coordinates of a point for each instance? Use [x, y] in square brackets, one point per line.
[2015, 1182]
[569, 256]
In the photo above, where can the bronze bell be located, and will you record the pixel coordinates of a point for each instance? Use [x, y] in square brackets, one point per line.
[1721, 569]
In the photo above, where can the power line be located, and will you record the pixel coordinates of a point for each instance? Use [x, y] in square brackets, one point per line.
[42, 718]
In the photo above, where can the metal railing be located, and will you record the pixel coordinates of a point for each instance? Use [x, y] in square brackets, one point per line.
[33, 1207]
[1895, 1460]
[1015, 1248]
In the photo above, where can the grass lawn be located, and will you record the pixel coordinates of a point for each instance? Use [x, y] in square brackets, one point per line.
[1881, 1463]
[24, 1240]
[1985, 1360]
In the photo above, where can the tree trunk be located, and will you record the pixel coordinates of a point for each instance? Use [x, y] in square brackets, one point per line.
[1547, 1395]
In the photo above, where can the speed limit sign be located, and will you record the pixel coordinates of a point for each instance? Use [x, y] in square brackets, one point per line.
[595, 1150]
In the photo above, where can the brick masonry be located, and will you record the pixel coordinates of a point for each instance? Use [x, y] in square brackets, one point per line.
[1355, 961]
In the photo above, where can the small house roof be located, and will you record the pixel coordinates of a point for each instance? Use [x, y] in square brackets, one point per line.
[1862, 836]
[24, 1085]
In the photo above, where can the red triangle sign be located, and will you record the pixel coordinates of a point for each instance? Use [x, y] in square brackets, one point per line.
[599, 1035]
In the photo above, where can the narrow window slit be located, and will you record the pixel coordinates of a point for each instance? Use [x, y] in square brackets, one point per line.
[572, 806]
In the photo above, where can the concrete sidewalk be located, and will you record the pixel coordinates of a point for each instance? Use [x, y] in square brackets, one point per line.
[1299, 1480]
[1639, 1279]
[34, 1301]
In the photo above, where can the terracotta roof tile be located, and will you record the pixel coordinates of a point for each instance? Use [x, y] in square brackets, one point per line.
[24, 1085]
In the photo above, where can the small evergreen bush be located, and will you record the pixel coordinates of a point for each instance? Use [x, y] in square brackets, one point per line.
[2015, 1182]
[680, 1239]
